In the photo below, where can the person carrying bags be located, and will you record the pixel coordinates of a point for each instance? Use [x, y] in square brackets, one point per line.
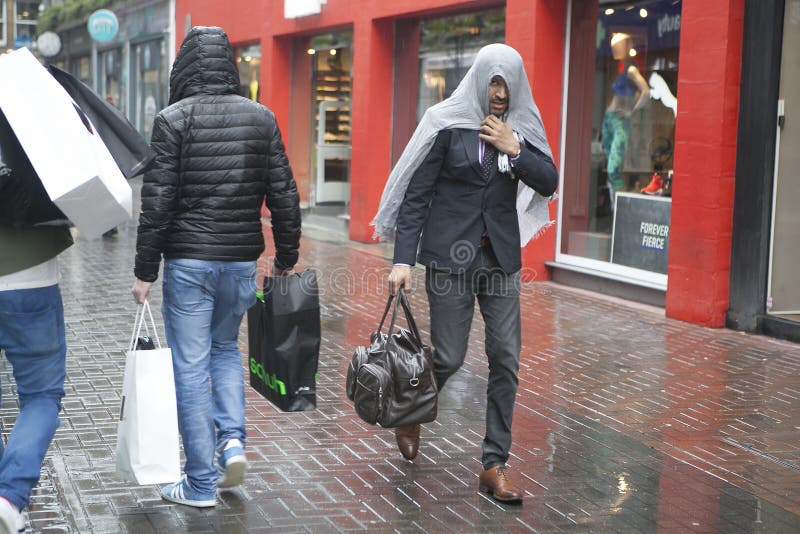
[219, 156]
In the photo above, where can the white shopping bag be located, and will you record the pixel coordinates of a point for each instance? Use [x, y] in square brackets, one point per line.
[75, 167]
[147, 435]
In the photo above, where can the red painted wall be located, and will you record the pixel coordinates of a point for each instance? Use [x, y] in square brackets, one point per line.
[371, 122]
[299, 125]
[536, 28]
[406, 74]
[705, 160]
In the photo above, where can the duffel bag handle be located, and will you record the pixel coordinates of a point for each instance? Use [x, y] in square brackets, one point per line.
[409, 316]
[403, 300]
[386, 312]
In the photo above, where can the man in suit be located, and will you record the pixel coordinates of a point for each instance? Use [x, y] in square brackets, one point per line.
[461, 201]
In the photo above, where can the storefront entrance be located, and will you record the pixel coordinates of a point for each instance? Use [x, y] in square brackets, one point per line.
[331, 71]
[783, 297]
[148, 80]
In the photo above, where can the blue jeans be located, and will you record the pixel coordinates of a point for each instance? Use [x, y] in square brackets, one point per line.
[32, 336]
[203, 306]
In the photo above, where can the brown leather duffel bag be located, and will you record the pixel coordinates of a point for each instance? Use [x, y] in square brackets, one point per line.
[391, 382]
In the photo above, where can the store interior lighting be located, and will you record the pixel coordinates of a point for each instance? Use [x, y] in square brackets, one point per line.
[628, 5]
[311, 51]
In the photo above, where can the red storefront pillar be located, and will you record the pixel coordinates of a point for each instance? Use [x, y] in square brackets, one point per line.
[705, 160]
[371, 133]
[275, 79]
[536, 29]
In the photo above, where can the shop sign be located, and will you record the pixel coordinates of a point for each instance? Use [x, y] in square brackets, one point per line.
[640, 237]
[49, 44]
[103, 25]
[293, 9]
[668, 24]
[664, 25]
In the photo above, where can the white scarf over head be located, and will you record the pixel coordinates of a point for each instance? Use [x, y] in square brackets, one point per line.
[466, 108]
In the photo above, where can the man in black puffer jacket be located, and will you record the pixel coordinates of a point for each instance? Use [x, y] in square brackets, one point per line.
[218, 157]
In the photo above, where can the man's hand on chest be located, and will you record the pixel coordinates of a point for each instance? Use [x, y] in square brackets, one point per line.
[499, 134]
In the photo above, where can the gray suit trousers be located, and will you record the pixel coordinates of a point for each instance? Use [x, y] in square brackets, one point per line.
[452, 303]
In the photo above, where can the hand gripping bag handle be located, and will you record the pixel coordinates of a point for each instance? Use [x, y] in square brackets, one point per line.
[401, 299]
[139, 321]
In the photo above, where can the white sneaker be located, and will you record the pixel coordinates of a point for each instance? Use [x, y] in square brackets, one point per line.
[233, 464]
[181, 492]
[11, 521]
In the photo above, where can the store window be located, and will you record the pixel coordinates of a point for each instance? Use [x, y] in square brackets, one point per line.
[148, 83]
[3, 23]
[448, 46]
[80, 67]
[331, 74]
[25, 27]
[332, 66]
[783, 299]
[620, 136]
[110, 86]
[248, 61]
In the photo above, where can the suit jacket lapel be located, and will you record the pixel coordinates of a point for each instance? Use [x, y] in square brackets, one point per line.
[470, 141]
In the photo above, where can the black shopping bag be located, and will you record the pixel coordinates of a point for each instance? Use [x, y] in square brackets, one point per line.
[284, 338]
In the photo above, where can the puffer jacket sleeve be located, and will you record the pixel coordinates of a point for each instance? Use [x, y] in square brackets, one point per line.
[283, 202]
[159, 200]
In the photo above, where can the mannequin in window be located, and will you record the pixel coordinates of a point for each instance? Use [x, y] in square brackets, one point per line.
[630, 92]
[253, 87]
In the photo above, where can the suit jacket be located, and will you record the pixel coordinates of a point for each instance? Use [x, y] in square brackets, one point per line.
[451, 205]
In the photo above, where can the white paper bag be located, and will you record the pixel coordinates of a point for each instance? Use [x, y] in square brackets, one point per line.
[75, 167]
[147, 435]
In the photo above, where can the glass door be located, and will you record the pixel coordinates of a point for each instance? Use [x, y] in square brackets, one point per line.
[331, 86]
[109, 78]
[783, 298]
[148, 83]
[333, 157]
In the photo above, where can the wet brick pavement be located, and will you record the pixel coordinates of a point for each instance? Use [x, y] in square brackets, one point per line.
[625, 422]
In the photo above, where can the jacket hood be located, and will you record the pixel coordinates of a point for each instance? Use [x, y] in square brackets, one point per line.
[204, 65]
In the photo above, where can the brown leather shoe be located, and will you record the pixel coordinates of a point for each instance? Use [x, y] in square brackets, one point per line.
[407, 438]
[496, 482]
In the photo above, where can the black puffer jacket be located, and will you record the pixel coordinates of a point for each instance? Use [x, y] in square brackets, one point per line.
[218, 157]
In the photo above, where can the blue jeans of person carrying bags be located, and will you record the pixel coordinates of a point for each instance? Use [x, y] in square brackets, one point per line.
[32, 336]
[203, 306]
